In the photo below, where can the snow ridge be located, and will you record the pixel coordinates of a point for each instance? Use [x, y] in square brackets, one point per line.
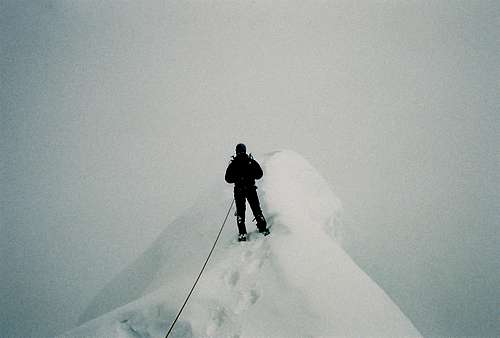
[296, 282]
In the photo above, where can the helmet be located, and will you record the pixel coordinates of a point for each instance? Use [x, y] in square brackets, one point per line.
[241, 149]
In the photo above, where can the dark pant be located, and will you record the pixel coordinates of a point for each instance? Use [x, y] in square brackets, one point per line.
[241, 194]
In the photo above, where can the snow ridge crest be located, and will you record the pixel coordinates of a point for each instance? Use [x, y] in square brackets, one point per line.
[296, 282]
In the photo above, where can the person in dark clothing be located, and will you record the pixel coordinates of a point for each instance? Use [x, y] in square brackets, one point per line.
[243, 171]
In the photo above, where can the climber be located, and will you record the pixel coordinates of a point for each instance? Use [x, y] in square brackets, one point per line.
[243, 171]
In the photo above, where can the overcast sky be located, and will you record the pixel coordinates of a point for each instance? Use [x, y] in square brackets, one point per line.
[115, 115]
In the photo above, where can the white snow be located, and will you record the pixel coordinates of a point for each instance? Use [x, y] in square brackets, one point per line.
[296, 282]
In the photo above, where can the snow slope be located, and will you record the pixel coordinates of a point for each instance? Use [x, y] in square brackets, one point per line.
[296, 282]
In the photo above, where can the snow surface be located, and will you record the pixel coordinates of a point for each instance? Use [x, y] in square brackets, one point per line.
[296, 282]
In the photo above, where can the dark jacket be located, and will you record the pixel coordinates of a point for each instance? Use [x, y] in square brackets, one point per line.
[243, 171]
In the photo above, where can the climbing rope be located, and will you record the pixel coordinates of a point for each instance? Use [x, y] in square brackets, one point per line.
[201, 272]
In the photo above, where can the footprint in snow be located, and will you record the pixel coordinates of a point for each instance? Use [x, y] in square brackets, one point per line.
[222, 324]
[246, 299]
[232, 277]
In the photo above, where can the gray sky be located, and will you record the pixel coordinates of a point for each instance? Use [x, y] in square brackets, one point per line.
[115, 115]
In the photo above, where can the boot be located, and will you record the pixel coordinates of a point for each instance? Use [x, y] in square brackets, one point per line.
[240, 221]
[265, 232]
[262, 224]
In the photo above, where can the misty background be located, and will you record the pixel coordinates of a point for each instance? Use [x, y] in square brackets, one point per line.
[115, 116]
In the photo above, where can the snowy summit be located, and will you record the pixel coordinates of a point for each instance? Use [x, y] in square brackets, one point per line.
[296, 282]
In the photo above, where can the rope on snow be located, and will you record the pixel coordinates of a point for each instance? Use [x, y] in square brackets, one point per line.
[201, 272]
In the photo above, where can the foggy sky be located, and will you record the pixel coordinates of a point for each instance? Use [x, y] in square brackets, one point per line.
[115, 116]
